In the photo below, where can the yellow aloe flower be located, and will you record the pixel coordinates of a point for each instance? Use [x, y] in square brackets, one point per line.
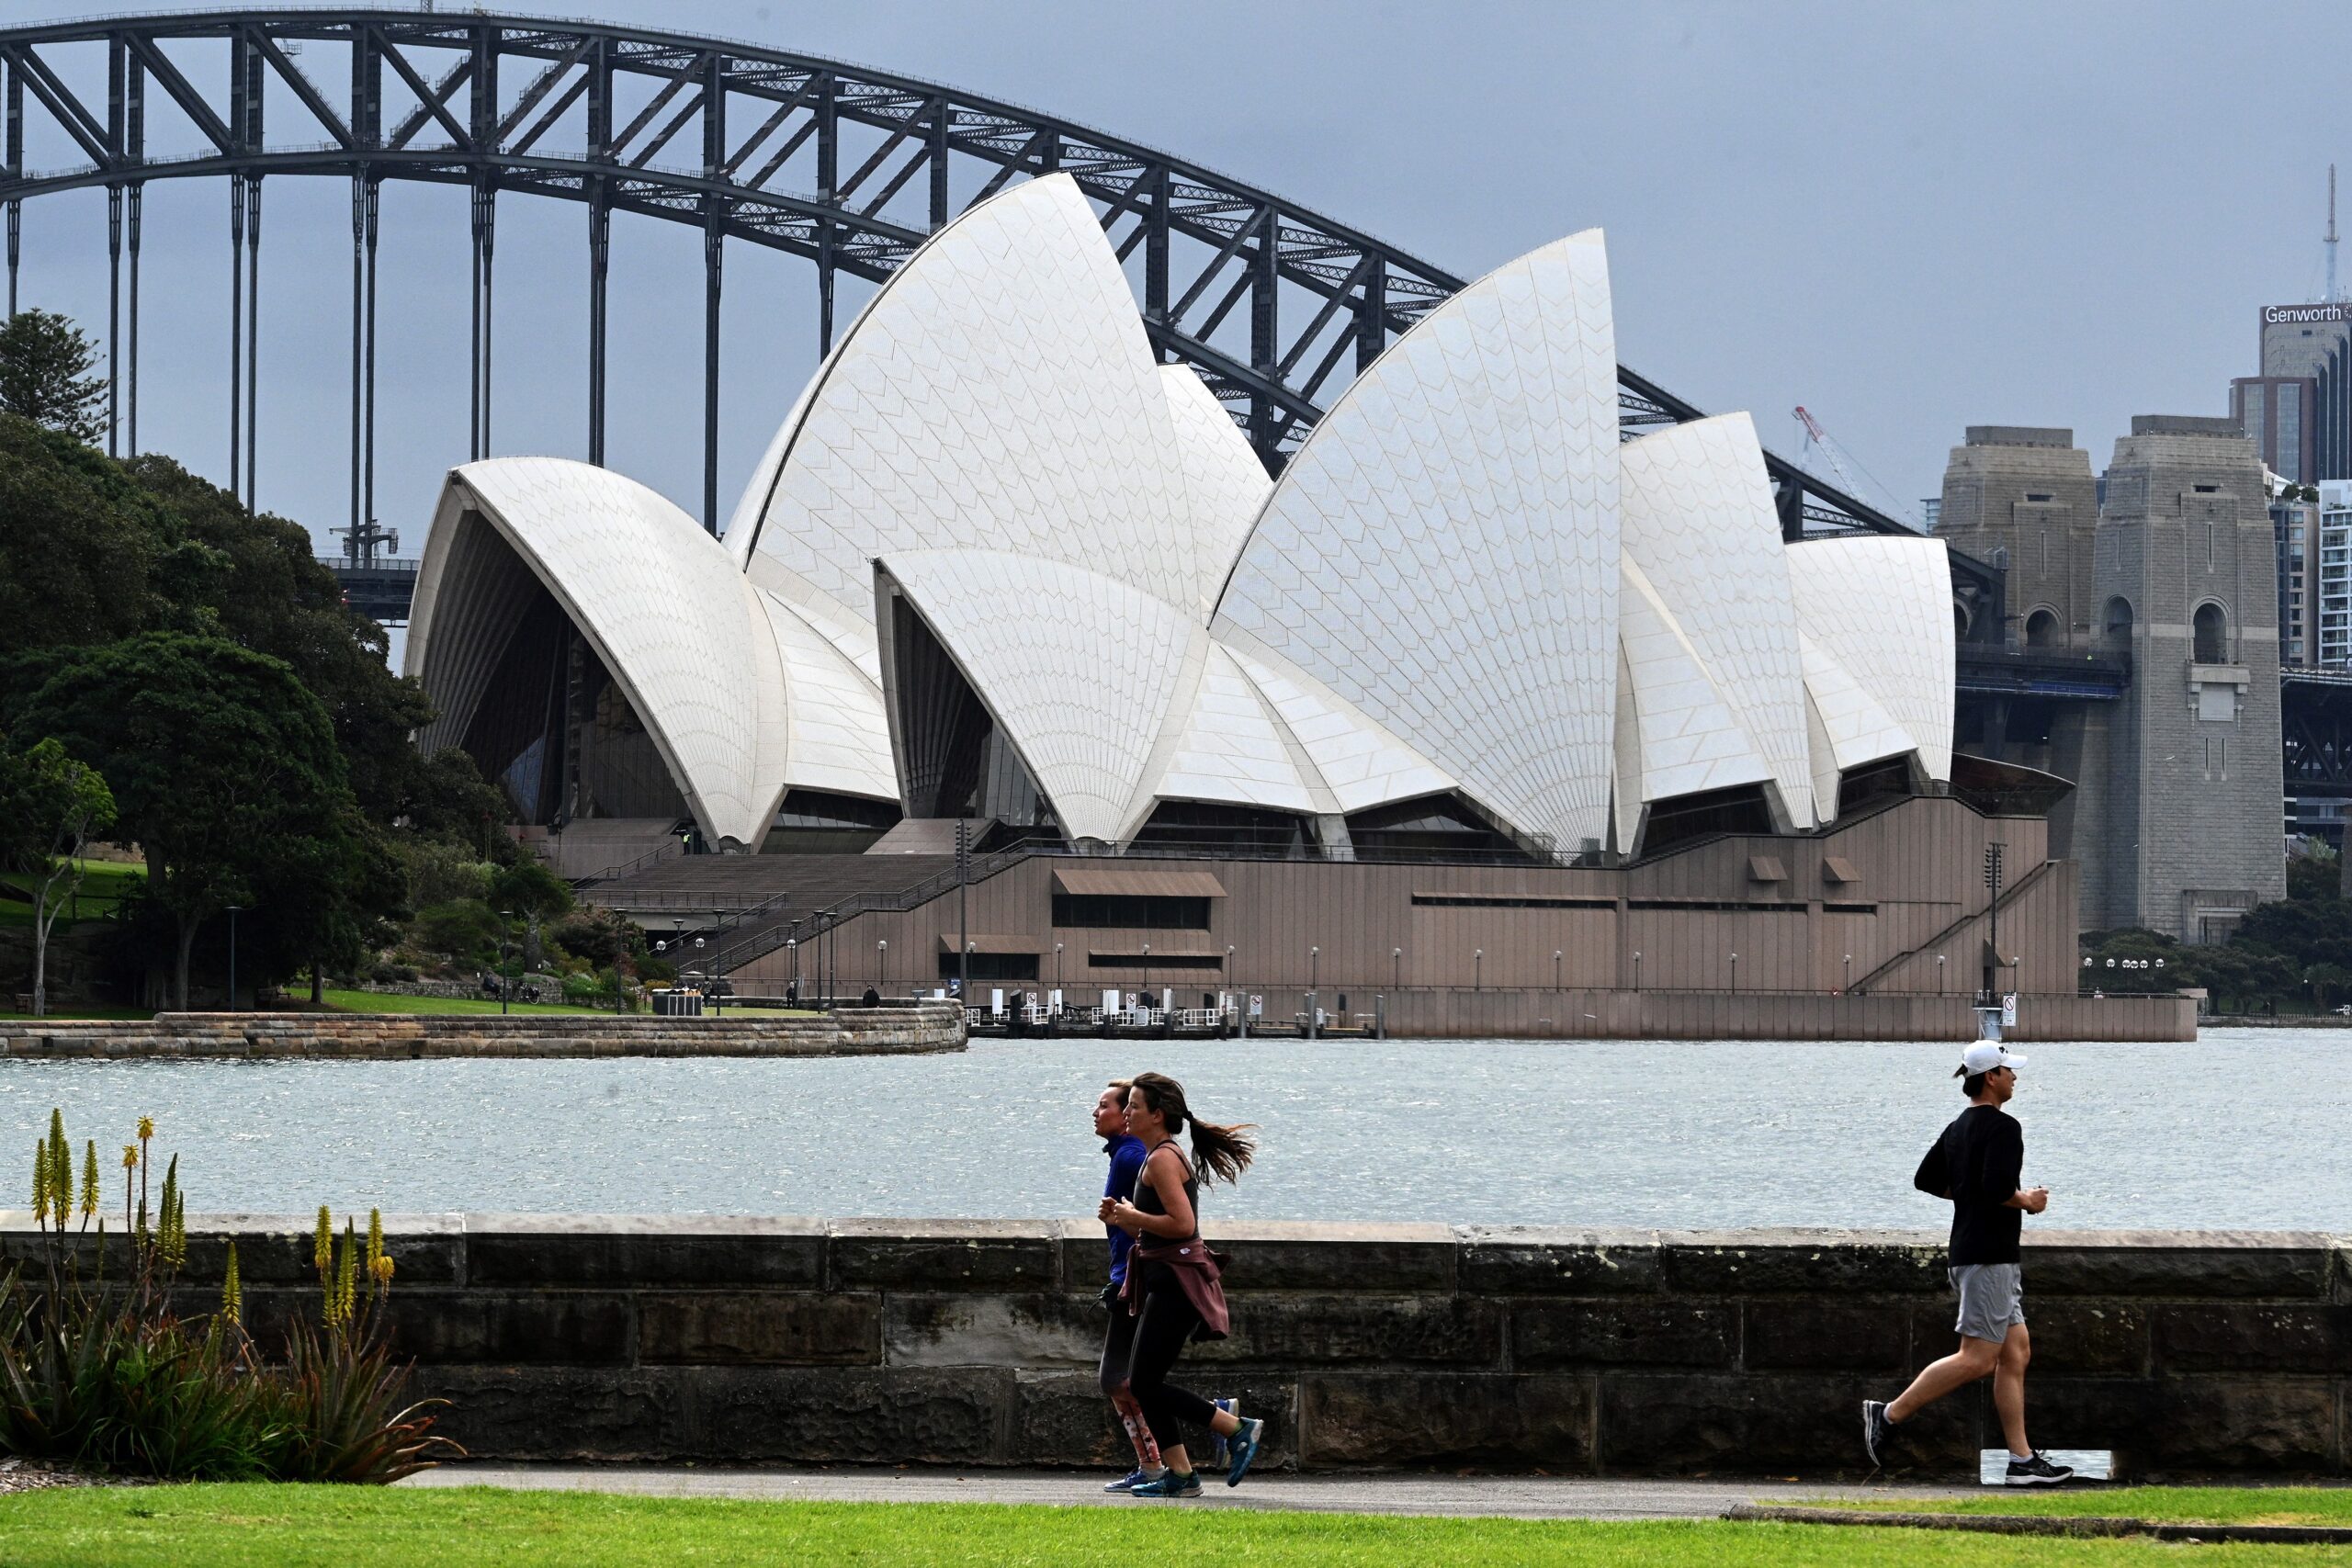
[89, 1178]
[322, 1242]
[40, 1180]
[375, 1237]
[232, 1291]
[146, 1128]
[130, 1156]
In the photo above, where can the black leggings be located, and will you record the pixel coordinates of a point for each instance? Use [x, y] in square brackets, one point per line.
[1167, 1322]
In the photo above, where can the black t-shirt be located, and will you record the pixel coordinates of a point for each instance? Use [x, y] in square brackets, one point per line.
[1976, 1164]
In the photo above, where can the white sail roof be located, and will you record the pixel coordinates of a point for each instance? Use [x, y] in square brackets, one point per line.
[1079, 670]
[1879, 609]
[997, 393]
[1442, 552]
[668, 615]
[1716, 673]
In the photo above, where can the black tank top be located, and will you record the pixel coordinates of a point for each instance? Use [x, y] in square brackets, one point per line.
[1147, 1197]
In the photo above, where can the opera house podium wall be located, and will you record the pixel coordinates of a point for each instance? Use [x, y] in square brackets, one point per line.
[1460, 951]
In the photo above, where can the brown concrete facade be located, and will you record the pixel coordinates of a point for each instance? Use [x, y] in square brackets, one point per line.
[1864, 911]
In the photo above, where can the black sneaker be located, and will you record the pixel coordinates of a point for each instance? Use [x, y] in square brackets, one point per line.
[2038, 1472]
[1878, 1433]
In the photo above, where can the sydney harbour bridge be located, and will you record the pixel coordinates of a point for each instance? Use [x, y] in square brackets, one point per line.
[847, 168]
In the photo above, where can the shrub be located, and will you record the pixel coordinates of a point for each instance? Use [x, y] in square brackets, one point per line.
[462, 927]
[110, 1376]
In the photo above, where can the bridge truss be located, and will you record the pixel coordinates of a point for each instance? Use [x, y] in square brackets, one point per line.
[1275, 307]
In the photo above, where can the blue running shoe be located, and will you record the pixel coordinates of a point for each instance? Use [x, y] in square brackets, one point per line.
[1219, 1452]
[1128, 1482]
[1244, 1446]
[1169, 1485]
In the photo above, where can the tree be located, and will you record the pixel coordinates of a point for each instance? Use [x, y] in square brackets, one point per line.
[224, 770]
[52, 806]
[49, 373]
[529, 888]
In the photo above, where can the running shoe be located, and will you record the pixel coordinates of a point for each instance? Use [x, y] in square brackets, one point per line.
[1220, 1452]
[2038, 1470]
[1128, 1482]
[1244, 1448]
[1169, 1485]
[1878, 1433]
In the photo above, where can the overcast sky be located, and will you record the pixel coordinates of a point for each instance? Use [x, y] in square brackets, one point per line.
[1908, 218]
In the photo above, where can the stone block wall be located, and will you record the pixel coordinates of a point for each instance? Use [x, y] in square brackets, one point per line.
[844, 1031]
[1404, 1345]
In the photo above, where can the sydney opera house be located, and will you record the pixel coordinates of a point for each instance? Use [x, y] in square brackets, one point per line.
[1477, 706]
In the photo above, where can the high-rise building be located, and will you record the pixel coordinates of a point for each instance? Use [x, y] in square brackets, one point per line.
[2332, 581]
[2301, 344]
[2296, 528]
[2281, 415]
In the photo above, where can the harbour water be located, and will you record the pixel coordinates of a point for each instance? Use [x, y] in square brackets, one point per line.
[2241, 1130]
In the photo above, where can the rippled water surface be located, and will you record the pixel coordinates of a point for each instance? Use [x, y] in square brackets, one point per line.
[2243, 1129]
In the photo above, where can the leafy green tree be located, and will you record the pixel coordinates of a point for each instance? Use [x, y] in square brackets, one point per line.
[529, 889]
[49, 373]
[2315, 873]
[224, 764]
[50, 807]
[74, 560]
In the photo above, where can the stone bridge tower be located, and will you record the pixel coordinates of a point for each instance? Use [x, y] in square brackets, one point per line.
[2185, 573]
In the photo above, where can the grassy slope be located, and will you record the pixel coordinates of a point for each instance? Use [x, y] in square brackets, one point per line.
[383, 1001]
[103, 882]
[267, 1527]
[2196, 1505]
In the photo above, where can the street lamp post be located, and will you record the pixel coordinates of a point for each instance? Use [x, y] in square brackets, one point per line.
[1939, 973]
[1478, 969]
[1555, 969]
[1637, 970]
[882, 963]
[792, 954]
[1313, 992]
[234, 910]
[505, 939]
[1734, 973]
[1396, 964]
[1849, 972]
[1058, 965]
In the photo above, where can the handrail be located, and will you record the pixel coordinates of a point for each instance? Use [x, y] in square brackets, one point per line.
[2008, 896]
[660, 851]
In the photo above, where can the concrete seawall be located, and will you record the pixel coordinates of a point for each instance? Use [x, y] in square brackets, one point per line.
[1640, 1352]
[845, 1031]
[1532, 1014]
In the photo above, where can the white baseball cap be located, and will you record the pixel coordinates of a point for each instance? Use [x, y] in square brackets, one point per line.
[1984, 1055]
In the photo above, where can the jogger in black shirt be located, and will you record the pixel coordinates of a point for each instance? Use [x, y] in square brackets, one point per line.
[1977, 1164]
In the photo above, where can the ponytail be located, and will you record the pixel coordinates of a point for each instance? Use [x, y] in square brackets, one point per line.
[1219, 1153]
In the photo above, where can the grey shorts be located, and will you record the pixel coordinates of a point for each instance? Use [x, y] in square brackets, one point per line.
[1992, 1297]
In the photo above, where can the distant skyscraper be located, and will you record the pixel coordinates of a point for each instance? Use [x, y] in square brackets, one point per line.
[2297, 410]
[2281, 415]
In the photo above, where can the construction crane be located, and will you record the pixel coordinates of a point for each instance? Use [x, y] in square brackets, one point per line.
[1813, 438]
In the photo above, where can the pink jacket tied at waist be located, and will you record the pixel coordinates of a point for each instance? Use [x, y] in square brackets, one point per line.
[1197, 1268]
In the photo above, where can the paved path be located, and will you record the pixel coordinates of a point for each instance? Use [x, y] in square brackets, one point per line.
[1515, 1496]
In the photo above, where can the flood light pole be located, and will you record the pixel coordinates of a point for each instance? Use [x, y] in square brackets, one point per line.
[233, 909]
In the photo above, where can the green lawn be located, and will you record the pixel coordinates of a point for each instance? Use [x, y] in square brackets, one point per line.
[102, 883]
[2184, 1505]
[277, 1526]
[58, 1009]
[385, 1001]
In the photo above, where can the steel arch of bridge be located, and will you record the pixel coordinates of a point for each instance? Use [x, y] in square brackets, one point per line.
[880, 156]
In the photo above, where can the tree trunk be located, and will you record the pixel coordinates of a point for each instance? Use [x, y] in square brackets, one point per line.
[318, 985]
[179, 967]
